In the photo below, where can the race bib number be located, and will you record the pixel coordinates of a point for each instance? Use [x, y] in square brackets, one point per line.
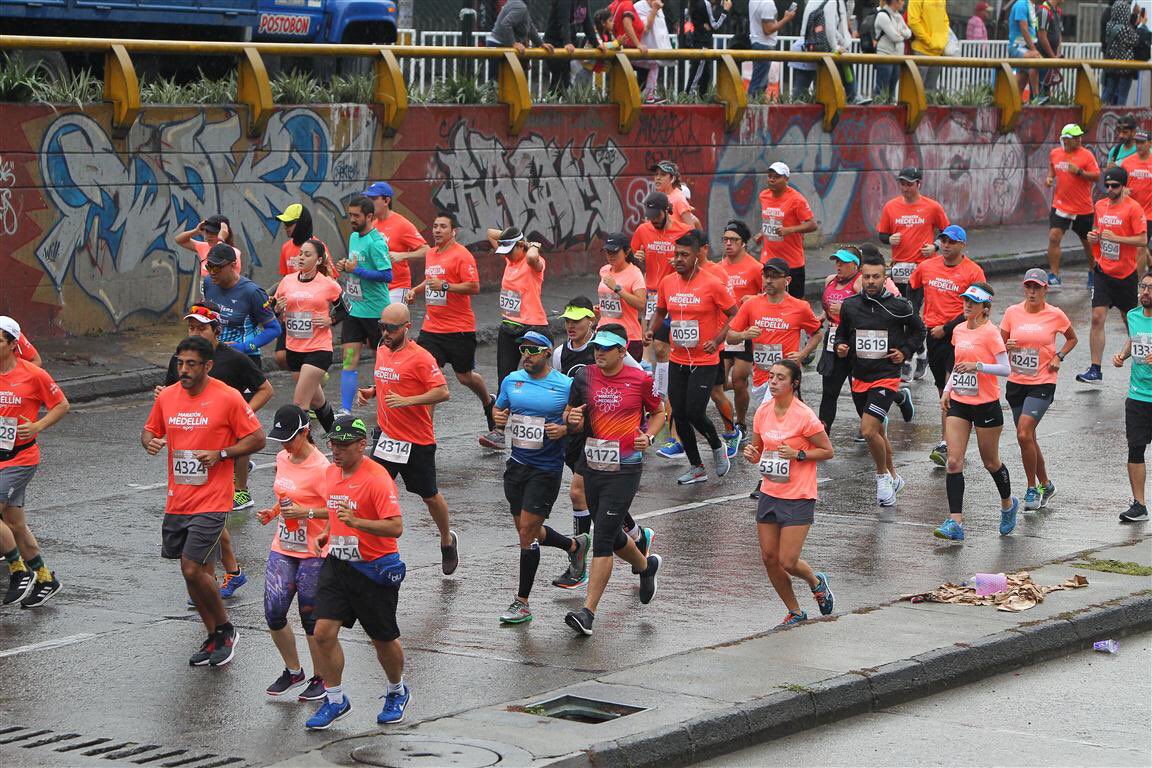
[8, 433]
[685, 333]
[650, 304]
[298, 325]
[393, 451]
[1110, 249]
[345, 548]
[353, 290]
[510, 302]
[965, 384]
[527, 431]
[764, 356]
[902, 271]
[610, 306]
[737, 347]
[774, 468]
[1141, 348]
[187, 469]
[602, 455]
[830, 339]
[295, 540]
[436, 297]
[771, 230]
[1025, 362]
[1064, 214]
[871, 345]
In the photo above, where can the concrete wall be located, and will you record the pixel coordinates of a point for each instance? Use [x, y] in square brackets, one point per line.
[87, 220]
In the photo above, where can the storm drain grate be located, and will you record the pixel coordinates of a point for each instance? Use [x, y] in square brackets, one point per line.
[104, 748]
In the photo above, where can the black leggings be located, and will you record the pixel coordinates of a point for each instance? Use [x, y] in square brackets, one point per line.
[833, 385]
[609, 496]
[689, 392]
[508, 348]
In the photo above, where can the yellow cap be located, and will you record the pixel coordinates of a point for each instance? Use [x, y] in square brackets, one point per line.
[291, 213]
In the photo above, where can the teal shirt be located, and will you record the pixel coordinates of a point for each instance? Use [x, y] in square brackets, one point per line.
[367, 298]
[1119, 152]
[1140, 331]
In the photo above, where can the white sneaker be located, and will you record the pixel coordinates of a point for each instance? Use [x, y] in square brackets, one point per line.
[898, 484]
[721, 461]
[885, 490]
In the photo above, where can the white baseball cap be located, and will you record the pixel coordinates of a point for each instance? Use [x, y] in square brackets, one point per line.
[10, 327]
[780, 168]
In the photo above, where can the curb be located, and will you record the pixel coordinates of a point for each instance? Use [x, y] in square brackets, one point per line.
[866, 690]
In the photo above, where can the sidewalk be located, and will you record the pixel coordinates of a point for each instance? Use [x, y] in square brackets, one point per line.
[111, 365]
[714, 700]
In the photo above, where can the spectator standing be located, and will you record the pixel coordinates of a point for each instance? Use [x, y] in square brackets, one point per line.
[627, 26]
[705, 17]
[1120, 38]
[656, 37]
[892, 33]
[566, 19]
[977, 28]
[835, 28]
[763, 25]
[514, 28]
[1022, 26]
[1049, 34]
[803, 73]
[928, 20]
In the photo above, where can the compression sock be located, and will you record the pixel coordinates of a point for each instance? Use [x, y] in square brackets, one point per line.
[529, 562]
[1003, 482]
[557, 540]
[581, 521]
[954, 484]
[348, 382]
[325, 416]
[724, 408]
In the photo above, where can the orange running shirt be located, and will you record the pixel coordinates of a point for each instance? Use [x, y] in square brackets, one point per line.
[302, 484]
[445, 311]
[288, 251]
[1140, 181]
[787, 210]
[1035, 333]
[613, 309]
[942, 286]
[403, 237]
[410, 371]
[780, 326]
[795, 430]
[745, 276]
[981, 345]
[307, 301]
[24, 348]
[696, 308]
[371, 494]
[917, 224]
[23, 391]
[520, 293]
[658, 246]
[679, 203]
[1124, 218]
[211, 421]
[1073, 193]
[202, 249]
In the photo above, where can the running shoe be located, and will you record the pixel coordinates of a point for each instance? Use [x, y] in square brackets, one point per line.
[1047, 491]
[1137, 513]
[578, 560]
[1032, 499]
[793, 618]
[517, 613]
[648, 580]
[1054, 282]
[859, 437]
[328, 714]
[939, 454]
[314, 691]
[225, 647]
[644, 543]
[732, 442]
[885, 490]
[580, 620]
[921, 367]
[494, 440]
[905, 404]
[823, 594]
[20, 583]
[450, 556]
[202, 656]
[251, 465]
[488, 413]
[232, 582]
[898, 484]
[671, 449]
[950, 529]
[241, 499]
[693, 475]
[1008, 517]
[395, 702]
[41, 593]
[567, 581]
[1090, 376]
[721, 461]
[286, 682]
[906, 372]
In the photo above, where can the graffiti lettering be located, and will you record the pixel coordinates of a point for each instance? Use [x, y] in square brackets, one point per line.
[9, 222]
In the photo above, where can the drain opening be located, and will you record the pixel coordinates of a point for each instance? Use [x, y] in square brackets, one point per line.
[110, 749]
[579, 709]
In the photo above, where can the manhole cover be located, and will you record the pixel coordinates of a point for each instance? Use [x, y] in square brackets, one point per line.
[424, 754]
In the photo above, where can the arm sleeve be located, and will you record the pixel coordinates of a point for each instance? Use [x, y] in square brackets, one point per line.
[885, 237]
[951, 326]
[999, 368]
[375, 275]
[267, 334]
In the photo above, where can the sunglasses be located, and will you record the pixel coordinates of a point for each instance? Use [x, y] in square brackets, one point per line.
[1113, 185]
[391, 327]
[214, 267]
[529, 349]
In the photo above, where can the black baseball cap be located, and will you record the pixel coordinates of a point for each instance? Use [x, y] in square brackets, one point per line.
[1126, 121]
[655, 204]
[212, 223]
[348, 429]
[617, 241]
[777, 264]
[1116, 173]
[287, 423]
[221, 254]
[910, 173]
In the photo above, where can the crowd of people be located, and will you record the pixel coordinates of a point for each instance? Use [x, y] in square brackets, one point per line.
[671, 331]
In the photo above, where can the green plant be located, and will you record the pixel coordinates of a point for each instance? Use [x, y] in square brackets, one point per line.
[79, 88]
[1114, 566]
[350, 89]
[296, 87]
[20, 78]
[457, 90]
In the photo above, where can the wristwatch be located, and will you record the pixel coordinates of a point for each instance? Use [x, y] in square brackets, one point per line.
[310, 513]
[801, 455]
[1060, 355]
[617, 289]
[224, 453]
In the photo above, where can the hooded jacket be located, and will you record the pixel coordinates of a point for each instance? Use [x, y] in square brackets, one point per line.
[885, 312]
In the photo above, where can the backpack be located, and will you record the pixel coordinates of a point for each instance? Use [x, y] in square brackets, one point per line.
[869, 37]
[815, 36]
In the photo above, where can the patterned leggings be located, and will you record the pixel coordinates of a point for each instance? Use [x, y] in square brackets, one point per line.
[288, 577]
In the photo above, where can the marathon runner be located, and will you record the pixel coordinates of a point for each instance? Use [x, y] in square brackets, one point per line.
[666, 180]
[367, 272]
[212, 230]
[834, 370]
[1138, 404]
[205, 425]
[247, 321]
[1139, 168]
[700, 309]
[405, 243]
[1073, 170]
[972, 399]
[787, 441]
[449, 328]
[408, 385]
[910, 224]
[533, 406]
[297, 222]
[942, 279]
[1120, 231]
[304, 299]
[1125, 145]
[622, 292]
[1029, 330]
[785, 218]
[745, 280]
[295, 558]
[24, 390]
[521, 309]
[610, 404]
[361, 576]
[878, 331]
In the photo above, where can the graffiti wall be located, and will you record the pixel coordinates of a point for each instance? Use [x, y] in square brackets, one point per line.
[88, 219]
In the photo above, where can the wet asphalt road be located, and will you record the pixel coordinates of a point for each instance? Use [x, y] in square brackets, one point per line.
[108, 657]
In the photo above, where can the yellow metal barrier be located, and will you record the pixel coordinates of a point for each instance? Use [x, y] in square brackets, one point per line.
[122, 88]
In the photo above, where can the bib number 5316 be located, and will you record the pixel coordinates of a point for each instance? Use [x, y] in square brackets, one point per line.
[775, 468]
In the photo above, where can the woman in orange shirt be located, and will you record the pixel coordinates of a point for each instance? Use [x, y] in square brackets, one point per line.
[621, 291]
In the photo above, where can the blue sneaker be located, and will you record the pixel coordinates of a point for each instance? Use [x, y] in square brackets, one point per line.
[1008, 517]
[394, 705]
[1032, 499]
[1054, 282]
[328, 714]
[950, 529]
[671, 449]
[823, 594]
[1090, 376]
[793, 617]
[232, 582]
[732, 442]
[644, 543]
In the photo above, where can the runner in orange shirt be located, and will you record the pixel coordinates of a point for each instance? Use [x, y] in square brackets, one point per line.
[24, 390]
[214, 229]
[449, 329]
[745, 280]
[1073, 170]
[972, 399]
[204, 424]
[405, 243]
[1120, 231]
[408, 386]
[622, 292]
[24, 347]
[666, 179]
[1139, 168]
[785, 218]
[297, 222]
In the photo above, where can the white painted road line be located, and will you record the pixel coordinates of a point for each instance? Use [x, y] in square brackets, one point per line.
[48, 644]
